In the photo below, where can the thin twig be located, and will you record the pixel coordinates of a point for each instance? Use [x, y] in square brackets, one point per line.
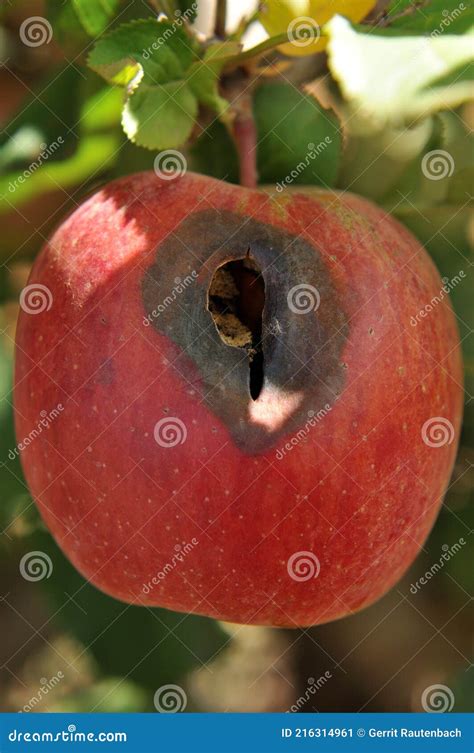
[245, 136]
[221, 15]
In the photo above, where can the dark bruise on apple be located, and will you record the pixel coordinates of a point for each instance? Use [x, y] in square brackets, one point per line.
[288, 431]
[293, 366]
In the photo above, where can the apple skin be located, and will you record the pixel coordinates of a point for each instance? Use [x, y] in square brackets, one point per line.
[209, 524]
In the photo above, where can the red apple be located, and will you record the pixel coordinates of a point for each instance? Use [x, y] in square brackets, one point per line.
[269, 444]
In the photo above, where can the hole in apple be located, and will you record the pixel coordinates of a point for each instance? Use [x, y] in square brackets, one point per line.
[236, 298]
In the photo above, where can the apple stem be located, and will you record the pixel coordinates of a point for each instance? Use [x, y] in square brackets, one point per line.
[245, 136]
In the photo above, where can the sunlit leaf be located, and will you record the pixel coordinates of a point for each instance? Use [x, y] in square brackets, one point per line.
[392, 79]
[166, 75]
[95, 15]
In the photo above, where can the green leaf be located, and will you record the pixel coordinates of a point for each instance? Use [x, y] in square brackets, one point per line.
[203, 81]
[166, 75]
[95, 15]
[157, 52]
[396, 79]
[435, 17]
[297, 138]
[287, 121]
[214, 154]
[160, 117]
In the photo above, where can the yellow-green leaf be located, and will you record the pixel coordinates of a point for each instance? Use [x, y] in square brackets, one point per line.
[302, 21]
